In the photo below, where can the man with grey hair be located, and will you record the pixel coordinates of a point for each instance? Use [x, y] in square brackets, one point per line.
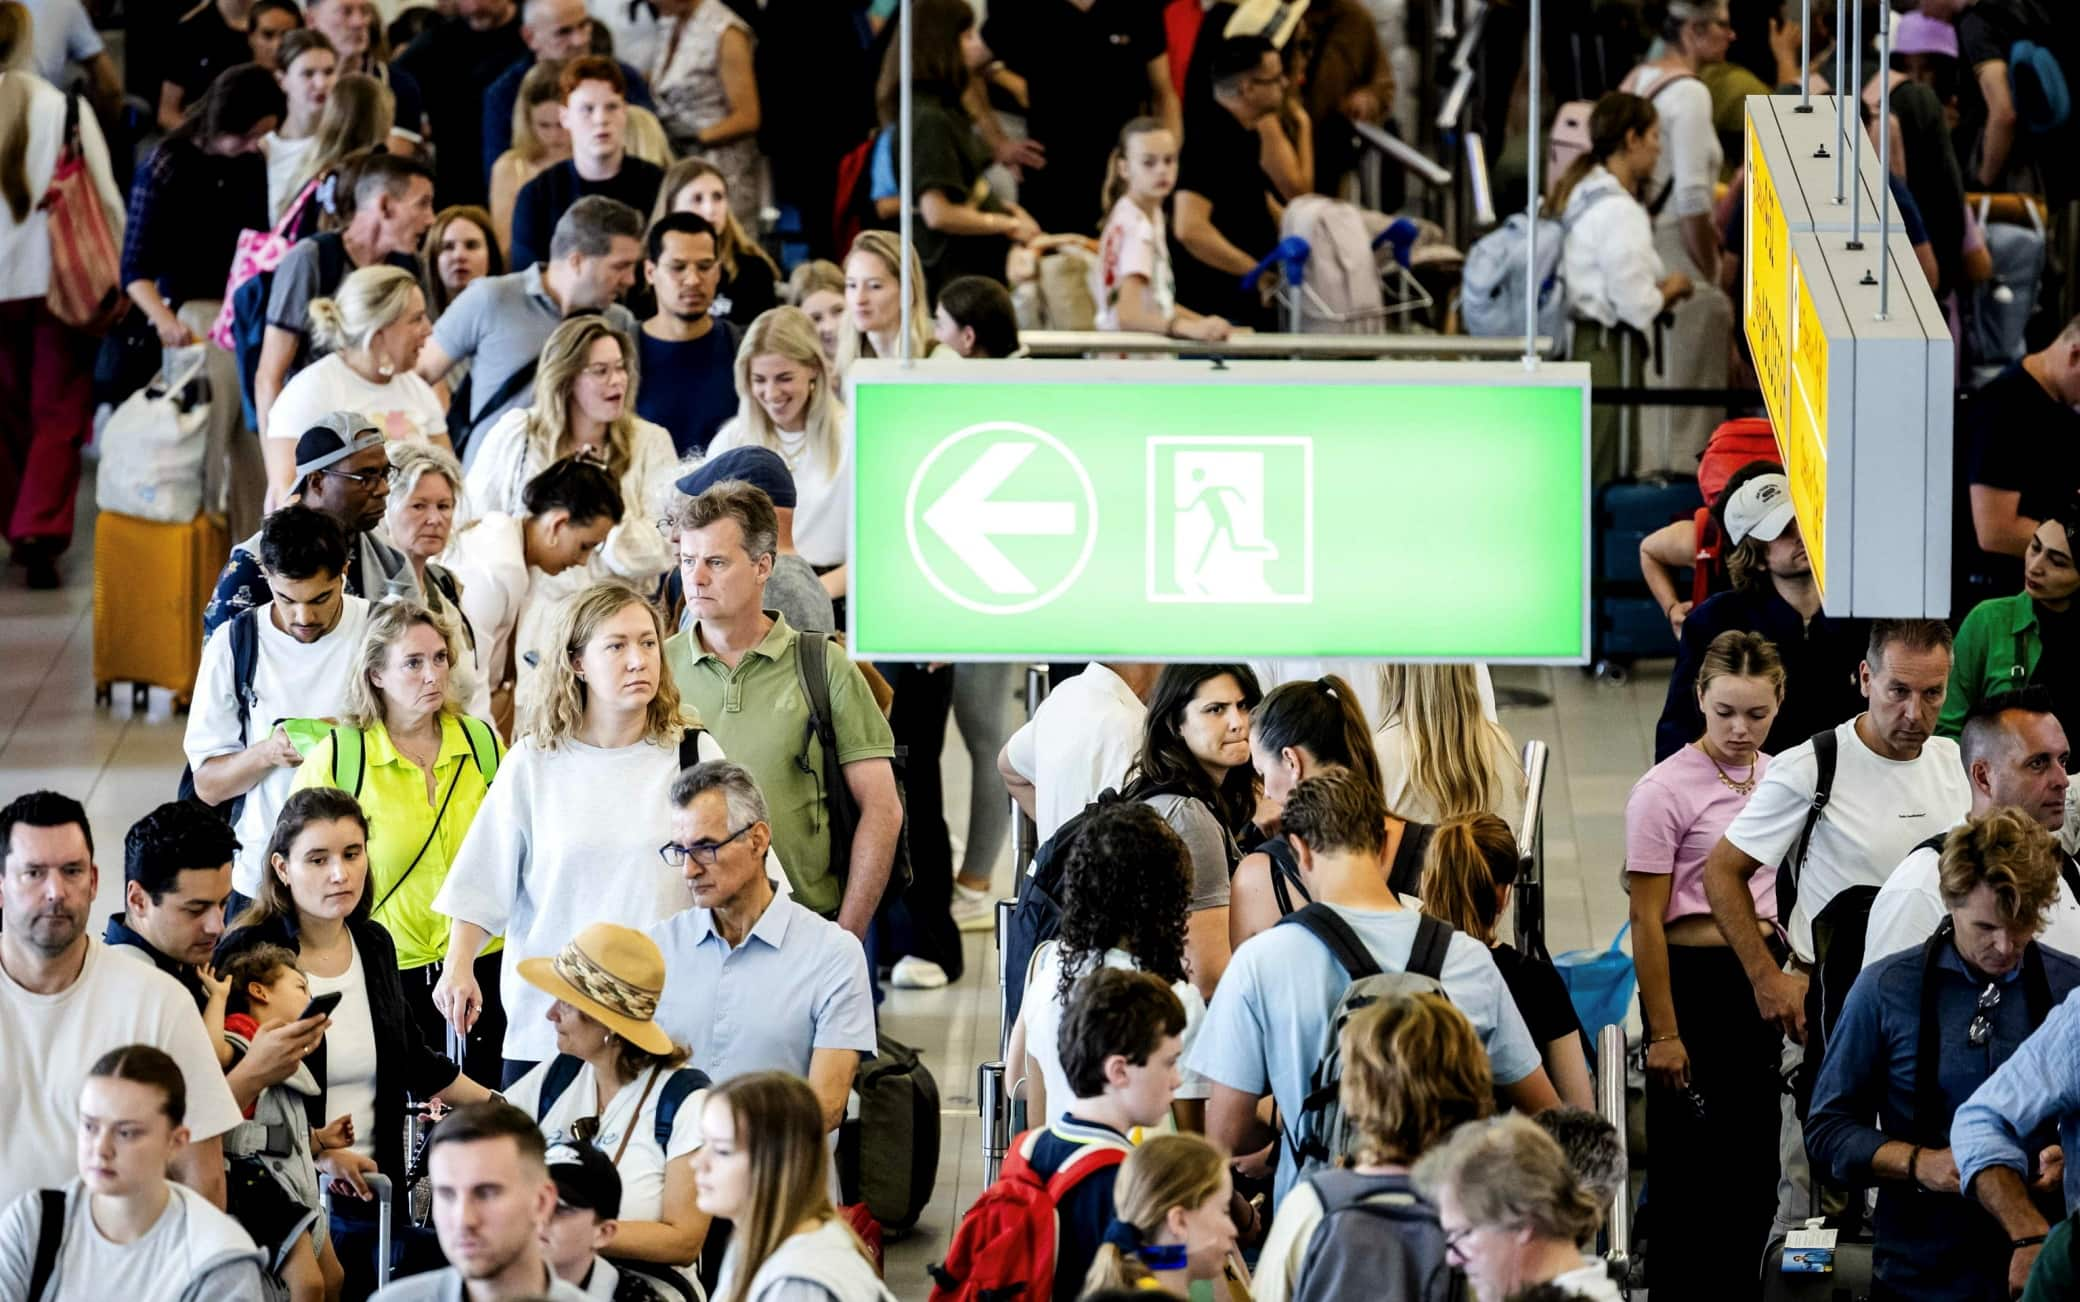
[501, 322]
[758, 982]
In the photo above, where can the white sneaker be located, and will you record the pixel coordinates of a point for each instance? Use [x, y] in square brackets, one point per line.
[973, 910]
[914, 973]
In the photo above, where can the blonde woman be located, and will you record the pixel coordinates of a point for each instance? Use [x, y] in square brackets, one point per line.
[569, 835]
[539, 141]
[419, 520]
[1439, 755]
[873, 302]
[357, 117]
[763, 1165]
[787, 403]
[370, 333]
[420, 765]
[818, 288]
[1171, 1224]
[645, 138]
[584, 401]
[750, 277]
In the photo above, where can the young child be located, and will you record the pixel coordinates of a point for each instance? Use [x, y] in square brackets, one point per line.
[272, 1172]
[1131, 279]
[1120, 1041]
[588, 1201]
[126, 1231]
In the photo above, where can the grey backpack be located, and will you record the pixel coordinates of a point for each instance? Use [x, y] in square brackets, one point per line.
[1319, 1136]
[1376, 1238]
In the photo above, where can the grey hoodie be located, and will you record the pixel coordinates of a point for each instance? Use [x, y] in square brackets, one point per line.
[278, 1136]
[217, 1257]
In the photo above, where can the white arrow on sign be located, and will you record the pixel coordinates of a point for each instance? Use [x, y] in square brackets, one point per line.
[965, 518]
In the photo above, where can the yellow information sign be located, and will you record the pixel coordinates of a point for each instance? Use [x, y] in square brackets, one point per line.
[1768, 272]
[1803, 436]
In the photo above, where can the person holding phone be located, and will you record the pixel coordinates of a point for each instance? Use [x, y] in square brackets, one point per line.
[314, 902]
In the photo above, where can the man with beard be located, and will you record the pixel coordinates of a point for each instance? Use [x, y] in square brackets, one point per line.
[687, 355]
[289, 659]
[64, 1002]
[343, 472]
[492, 1199]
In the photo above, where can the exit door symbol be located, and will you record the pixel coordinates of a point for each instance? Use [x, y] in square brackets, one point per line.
[1231, 520]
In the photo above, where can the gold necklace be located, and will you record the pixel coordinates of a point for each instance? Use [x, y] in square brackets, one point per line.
[1738, 788]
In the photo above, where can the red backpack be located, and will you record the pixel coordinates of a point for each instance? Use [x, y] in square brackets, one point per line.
[1004, 1247]
[1733, 445]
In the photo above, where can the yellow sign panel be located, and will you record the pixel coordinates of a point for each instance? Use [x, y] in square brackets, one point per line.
[1768, 272]
[1803, 437]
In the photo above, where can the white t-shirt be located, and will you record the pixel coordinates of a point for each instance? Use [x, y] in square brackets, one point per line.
[404, 408]
[1877, 811]
[47, 1042]
[1690, 151]
[504, 458]
[161, 1265]
[642, 1163]
[1133, 244]
[350, 1052]
[285, 159]
[1079, 742]
[566, 838]
[822, 492]
[1909, 908]
[291, 680]
[1043, 1008]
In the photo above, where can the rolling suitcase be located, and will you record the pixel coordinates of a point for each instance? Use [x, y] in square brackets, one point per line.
[1849, 1281]
[151, 582]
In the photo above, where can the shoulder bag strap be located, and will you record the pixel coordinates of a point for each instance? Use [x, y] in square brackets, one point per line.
[431, 833]
[1285, 874]
[50, 1233]
[1328, 926]
[1824, 755]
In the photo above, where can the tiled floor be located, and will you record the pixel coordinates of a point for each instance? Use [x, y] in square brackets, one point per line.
[120, 763]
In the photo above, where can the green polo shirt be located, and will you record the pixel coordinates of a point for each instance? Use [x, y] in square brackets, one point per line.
[759, 714]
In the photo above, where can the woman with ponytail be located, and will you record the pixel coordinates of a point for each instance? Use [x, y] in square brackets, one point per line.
[1616, 285]
[1301, 729]
[1466, 882]
[1171, 1226]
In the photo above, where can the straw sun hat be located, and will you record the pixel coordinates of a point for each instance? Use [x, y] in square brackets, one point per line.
[612, 974]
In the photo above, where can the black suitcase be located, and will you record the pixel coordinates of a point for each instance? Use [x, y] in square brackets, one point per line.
[1849, 1281]
[1629, 625]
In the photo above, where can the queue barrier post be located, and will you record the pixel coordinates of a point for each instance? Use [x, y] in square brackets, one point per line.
[1610, 1104]
[996, 1119]
[1530, 904]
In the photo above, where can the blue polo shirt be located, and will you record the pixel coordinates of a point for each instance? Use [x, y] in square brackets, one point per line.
[797, 983]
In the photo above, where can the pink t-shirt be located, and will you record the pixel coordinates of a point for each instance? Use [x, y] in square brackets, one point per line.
[1133, 245]
[1674, 817]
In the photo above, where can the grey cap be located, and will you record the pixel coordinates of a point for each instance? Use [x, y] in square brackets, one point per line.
[337, 436]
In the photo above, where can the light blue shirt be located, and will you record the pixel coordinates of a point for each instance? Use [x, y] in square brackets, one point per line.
[797, 983]
[2038, 1084]
[1270, 1014]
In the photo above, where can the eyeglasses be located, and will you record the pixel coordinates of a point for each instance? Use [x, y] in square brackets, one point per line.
[1981, 1029]
[367, 478]
[605, 370]
[1455, 1243]
[701, 852]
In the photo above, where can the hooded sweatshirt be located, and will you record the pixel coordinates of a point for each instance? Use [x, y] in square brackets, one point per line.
[827, 1258]
[193, 1253]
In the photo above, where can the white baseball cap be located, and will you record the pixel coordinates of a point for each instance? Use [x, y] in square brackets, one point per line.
[1760, 508]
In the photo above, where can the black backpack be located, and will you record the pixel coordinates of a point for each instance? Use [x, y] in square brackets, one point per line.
[812, 670]
[245, 658]
[888, 1157]
[1374, 1229]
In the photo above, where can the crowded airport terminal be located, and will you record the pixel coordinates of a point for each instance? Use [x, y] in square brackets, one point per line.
[1039, 650]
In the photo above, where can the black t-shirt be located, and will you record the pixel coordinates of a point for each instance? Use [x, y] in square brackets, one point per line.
[1086, 73]
[2021, 439]
[1987, 33]
[1540, 994]
[2058, 663]
[751, 291]
[203, 46]
[543, 201]
[949, 157]
[453, 64]
[1219, 164]
[689, 388]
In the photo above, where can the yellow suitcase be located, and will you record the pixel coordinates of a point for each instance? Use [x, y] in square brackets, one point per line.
[151, 581]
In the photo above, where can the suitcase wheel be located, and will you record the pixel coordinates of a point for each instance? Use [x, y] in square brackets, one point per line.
[104, 694]
[140, 698]
[1611, 672]
[180, 704]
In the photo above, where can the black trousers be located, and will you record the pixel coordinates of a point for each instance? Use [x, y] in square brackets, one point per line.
[1712, 1151]
[921, 922]
[480, 1059]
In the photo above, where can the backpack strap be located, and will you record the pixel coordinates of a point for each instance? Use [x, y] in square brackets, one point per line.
[349, 759]
[1285, 874]
[690, 746]
[50, 1234]
[563, 1069]
[678, 1087]
[483, 745]
[812, 667]
[1085, 1161]
[1405, 874]
[1433, 940]
[245, 661]
[1327, 925]
[1825, 753]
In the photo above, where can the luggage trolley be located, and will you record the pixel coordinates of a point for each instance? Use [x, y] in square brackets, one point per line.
[1403, 297]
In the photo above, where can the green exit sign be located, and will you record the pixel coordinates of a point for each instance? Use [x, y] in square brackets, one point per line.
[1145, 510]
